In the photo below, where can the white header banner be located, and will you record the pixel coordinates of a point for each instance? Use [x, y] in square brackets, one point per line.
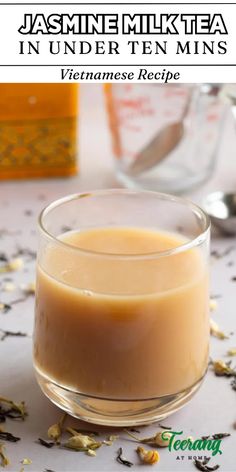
[111, 42]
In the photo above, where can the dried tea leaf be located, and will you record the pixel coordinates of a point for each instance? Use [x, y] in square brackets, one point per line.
[122, 460]
[11, 333]
[202, 465]
[148, 457]
[29, 289]
[233, 384]
[15, 411]
[220, 435]
[46, 444]
[165, 427]
[215, 331]
[5, 436]
[5, 307]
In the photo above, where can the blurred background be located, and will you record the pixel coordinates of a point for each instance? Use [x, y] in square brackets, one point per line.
[178, 139]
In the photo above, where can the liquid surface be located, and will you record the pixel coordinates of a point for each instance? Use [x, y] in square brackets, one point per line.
[122, 327]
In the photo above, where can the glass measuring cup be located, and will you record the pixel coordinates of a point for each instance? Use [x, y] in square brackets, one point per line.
[165, 137]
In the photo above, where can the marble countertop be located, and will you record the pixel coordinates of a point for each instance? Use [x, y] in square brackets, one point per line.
[212, 410]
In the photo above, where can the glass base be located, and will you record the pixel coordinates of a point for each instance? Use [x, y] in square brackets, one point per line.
[114, 412]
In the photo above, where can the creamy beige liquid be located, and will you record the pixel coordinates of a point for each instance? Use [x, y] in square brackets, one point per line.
[119, 328]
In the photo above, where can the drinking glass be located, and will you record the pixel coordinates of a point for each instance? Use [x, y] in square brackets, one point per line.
[121, 336]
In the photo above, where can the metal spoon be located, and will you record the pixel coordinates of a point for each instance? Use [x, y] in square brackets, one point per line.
[221, 207]
[168, 138]
[161, 145]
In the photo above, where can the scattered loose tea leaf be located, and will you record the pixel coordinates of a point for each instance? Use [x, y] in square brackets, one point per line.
[232, 352]
[215, 330]
[5, 307]
[216, 436]
[26, 461]
[11, 333]
[46, 444]
[29, 289]
[14, 410]
[4, 459]
[3, 257]
[25, 252]
[233, 278]
[9, 287]
[213, 305]
[8, 437]
[220, 435]
[202, 465]
[219, 255]
[233, 384]
[148, 457]
[164, 427]
[12, 265]
[122, 460]
[222, 368]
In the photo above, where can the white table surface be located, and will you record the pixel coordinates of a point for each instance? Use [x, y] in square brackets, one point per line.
[212, 410]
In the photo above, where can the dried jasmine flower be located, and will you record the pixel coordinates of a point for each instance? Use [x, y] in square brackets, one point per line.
[213, 305]
[26, 461]
[11, 333]
[9, 287]
[122, 460]
[81, 442]
[15, 410]
[55, 431]
[161, 439]
[91, 452]
[148, 457]
[110, 440]
[46, 443]
[29, 289]
[12, 265]
[202, 465]
[222, 368]
[4, 459]
[8, 437]
[5, 307]
[215, 331]
[232, 352]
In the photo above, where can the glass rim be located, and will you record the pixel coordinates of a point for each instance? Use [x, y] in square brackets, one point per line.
[191, 243]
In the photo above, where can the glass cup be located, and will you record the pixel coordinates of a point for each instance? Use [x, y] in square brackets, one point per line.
[121, 324]
[165, 137]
